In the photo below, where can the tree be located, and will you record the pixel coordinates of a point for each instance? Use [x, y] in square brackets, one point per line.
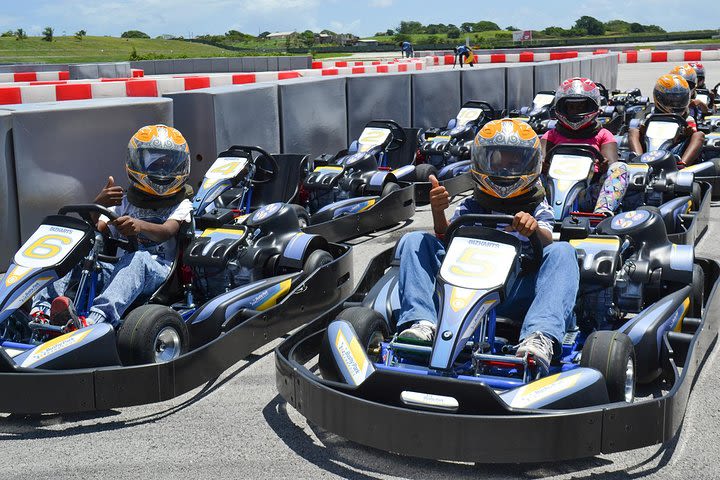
[20, 34]
[48, 34]
[408, 27]
[454, 33]
[80, 34]
[390, 32]
[636, 28]
[467, 27]
[617, 26]
[485, 26]
[591, 25]
[307, 38]
[134, 34]
[554, 31]
[511, 29]
[9, 33]
[400, 38]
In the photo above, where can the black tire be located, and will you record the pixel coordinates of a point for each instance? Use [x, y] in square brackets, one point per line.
[610, 352]
[423, 172]
[696, 196]
[389, 188]
[315, 260]
[303, 216]
[138, 336]
[697, 296]
[368, 325]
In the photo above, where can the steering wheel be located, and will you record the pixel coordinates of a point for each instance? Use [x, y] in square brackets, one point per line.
[397, 133]
[256, 156]
[86, 210]
[572, 148]
[487, 109]
[492, 221]
[715, 89]
[603, 91]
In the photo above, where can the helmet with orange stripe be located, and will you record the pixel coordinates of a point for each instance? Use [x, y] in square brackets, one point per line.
[158, 161]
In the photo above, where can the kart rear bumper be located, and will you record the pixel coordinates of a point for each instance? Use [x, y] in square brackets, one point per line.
[512, 435]
[43, 391]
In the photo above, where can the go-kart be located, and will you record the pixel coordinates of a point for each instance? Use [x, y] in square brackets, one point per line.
[445, 152]
[654, 180]
[356, 191]
[645, 318]
[540, 114]
[245, 178]
[630, 105]
[230, 290]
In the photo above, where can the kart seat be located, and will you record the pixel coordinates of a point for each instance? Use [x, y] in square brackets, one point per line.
[171, 290]
[283, 187]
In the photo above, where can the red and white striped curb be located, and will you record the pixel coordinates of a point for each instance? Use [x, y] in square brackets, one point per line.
[522, 57]
[649, 56]
[320, 65]
[34, 76]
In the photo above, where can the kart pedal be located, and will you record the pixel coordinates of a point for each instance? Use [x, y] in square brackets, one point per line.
[570, 337]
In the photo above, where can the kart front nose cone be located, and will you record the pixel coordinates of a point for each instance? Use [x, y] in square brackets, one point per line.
[167, 345]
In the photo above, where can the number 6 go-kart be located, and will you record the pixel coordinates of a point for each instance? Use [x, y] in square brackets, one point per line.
[231, 290]
[645, 317]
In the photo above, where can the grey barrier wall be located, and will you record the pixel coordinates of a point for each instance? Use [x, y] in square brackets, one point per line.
[313, 115]
[546, 76]
[83, 71]
[569, 69]
[586, 67]
[64, 151]
[34, 67]
[435, 97]
[519, 86]
[221, 65]
[9, 222]
[373, 97]
[484, 84]
[213, 119]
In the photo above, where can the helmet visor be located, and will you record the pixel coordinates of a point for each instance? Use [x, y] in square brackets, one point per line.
[160, 163]
[506, 161]
[576, 106]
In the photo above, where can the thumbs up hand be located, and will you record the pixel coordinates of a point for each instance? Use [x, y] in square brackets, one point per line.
[110, 195]
[439, 197]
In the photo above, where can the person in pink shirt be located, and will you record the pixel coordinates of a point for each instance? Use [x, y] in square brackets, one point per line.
[577, 105]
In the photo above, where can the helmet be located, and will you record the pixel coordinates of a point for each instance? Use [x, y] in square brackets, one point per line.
[158, 161]
[506, 158]
[577, 103]
[688, 73]
[672, 94]
[700, 70]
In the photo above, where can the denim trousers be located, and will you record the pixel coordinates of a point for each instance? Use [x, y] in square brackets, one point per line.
[136, 275]
[543, 300]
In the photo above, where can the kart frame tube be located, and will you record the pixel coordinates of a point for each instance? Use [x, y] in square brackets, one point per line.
[518, 436]
[695, 222]
[45, 391]
[390, 210]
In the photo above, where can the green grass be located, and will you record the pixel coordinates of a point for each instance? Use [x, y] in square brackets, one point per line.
[321, 56]
[100, 49]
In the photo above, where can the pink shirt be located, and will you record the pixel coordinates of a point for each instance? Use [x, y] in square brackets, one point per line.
[603, 136]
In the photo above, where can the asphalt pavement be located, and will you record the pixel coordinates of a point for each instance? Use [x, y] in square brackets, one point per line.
[238, 427]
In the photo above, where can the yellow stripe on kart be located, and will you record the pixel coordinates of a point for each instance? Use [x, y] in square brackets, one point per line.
[686, 307]
[228, 231]
[272, 301]
[596, 241]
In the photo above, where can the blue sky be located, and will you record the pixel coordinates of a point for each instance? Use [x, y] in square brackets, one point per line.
[362, 17]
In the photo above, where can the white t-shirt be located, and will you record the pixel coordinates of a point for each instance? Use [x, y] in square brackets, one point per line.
[163, 252]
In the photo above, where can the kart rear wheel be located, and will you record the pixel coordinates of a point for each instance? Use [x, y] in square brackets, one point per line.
[423, 172]
[371, 329]
[152, 334]
[612, 354]
[697, 296]
[696, 196]
[317, 259]
[389, 188]
[303, 217]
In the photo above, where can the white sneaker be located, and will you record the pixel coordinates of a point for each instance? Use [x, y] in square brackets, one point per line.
[423, 330]
[540, 346]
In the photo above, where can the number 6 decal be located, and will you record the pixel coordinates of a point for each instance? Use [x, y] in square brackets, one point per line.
[46, 247]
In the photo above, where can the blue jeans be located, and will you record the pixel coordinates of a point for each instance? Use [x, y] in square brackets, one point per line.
[135, 275]
[545, 298]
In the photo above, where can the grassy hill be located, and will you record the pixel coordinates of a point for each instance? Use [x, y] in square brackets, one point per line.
[100, 49]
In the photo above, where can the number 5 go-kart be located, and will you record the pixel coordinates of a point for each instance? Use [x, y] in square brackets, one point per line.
[646, 316]
[445, 152]
[231, 290]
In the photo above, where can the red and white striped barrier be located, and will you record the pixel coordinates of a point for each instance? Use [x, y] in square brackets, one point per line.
[650, 56]
[522, 57]
[13, 77]
[323, 65]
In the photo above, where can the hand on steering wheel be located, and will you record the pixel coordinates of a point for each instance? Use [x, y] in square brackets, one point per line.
[86, 212]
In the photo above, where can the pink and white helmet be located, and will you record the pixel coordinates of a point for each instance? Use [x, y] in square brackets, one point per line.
[699, 69]
[577, 103]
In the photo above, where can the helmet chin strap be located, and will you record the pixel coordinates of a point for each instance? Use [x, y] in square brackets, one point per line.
[141, 199]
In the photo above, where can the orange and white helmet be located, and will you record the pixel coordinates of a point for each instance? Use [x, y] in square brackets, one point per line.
[672, 94]
[688, 73]
[158, 161]
[506, 158]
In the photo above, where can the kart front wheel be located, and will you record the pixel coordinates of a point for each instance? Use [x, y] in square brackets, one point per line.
[152, 334]
[371, 329]
[423, 172]
[389, 188]
[302, 214]
[612, 353]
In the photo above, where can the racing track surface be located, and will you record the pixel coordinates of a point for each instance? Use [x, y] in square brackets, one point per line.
[238, 426]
